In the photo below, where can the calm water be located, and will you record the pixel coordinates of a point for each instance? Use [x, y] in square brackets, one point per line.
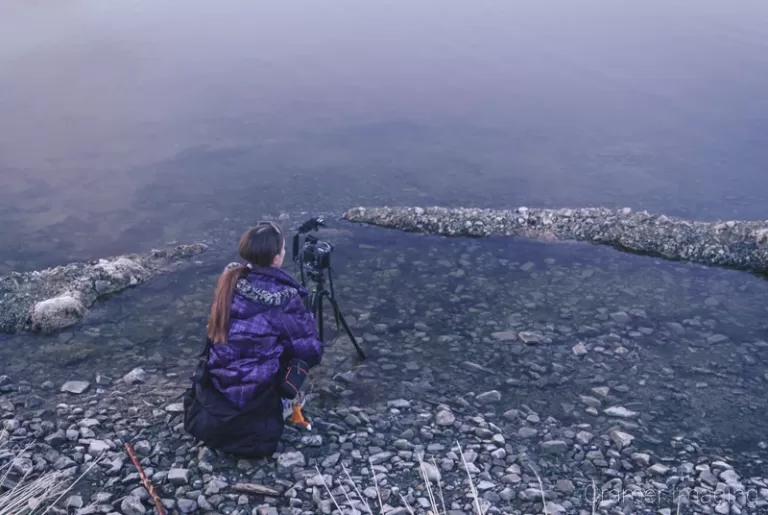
[126, 125]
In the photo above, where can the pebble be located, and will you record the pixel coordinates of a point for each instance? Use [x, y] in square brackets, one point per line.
[76, 387]
[489, 397]
[530, 338]
[621, 439]
[179, 477]
[445, 418]
[135, 376]
[580, 349]
[290, 460]
[620, 412]
[132, 506]
[554, 447]
[175, 408]
[97, 447]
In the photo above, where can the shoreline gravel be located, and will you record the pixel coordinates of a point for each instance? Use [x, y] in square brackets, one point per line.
[512, 456]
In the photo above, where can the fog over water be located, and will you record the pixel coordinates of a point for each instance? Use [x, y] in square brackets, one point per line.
[121, 120]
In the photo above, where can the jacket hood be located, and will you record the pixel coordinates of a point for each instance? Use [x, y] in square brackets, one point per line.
[268, 287]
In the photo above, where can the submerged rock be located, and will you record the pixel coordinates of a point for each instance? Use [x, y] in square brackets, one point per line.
[742, 245]
[52, 299]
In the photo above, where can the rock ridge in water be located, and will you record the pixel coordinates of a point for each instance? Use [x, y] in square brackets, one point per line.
[732, 244]
[58, 297]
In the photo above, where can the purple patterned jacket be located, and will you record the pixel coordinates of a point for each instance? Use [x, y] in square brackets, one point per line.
[269, 326]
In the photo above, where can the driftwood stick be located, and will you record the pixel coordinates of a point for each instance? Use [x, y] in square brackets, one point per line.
[145, 480]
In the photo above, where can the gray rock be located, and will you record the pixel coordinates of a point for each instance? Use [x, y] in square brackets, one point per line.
[76, 387]
[331, 460]
[621, 439]
[353, 420]
[658, 469]
[505, 335]
[708, 478]
[527, 432]
[175, 408]
[620, 412]
[554, 447]
[580, 349]
[399, 404]
[56, 439]
[75, 502]
[554, 508]
[215, 486]
[186, 505]
[143, 448]
[179, 477]
[530, 338]
[620, 317]
[489, 397]
[380, 457]
[584, 437]
[565, 486]
[432, 472]
[445, 418]
[97, 447]
[290, 460]
[132, 506]
[135, 376]
[641, 459]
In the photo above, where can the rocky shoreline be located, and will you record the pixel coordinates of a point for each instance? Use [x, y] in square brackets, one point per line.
[53, 299]
[734, 244]
[358, 457]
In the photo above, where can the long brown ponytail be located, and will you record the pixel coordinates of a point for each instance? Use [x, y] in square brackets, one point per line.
[258, 246]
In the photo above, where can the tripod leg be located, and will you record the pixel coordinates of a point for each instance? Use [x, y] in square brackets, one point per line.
[317, 309]
[340, 317]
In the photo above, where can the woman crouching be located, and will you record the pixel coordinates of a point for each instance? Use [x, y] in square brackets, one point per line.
[258, 325]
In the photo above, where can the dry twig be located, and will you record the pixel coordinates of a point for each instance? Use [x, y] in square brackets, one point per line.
[145, 480]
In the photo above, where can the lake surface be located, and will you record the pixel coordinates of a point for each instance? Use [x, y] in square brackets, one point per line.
[128, 124]
[125, 126]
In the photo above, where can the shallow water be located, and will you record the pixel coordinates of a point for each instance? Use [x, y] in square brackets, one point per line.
[128, 126]
[683, 346]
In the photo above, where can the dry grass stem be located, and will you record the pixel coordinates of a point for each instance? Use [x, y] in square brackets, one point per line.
[407, 506]
[365, 503]
[471, 482]
[31, 495]
[376, 485]
[440, 486]
[328, 489]
[541, 489]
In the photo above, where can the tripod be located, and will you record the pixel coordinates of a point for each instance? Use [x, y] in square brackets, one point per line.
[318, 293]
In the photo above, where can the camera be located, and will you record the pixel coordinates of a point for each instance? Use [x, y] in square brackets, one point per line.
[313, 255]
[316, 254]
